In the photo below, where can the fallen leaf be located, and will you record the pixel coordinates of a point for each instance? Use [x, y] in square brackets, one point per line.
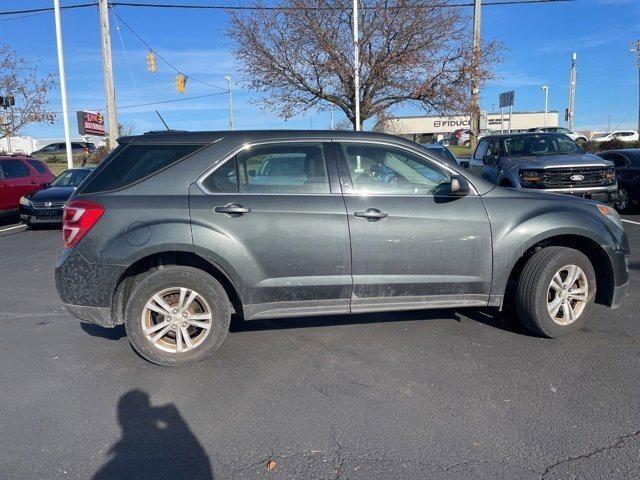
[271, 464]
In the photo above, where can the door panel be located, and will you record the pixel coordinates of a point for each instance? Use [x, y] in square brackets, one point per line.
[289, 254]
[425, 250]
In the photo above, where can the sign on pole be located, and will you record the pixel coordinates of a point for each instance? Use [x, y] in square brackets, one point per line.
[91, 123]
[507, 99]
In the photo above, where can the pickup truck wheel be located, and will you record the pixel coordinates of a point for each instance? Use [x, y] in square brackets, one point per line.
[177, 316]
[556, 291]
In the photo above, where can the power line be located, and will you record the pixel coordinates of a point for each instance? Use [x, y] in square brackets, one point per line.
[256, 7]
[145, 43]
[159, 102]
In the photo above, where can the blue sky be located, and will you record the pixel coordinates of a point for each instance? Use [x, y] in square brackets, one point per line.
[539, 40]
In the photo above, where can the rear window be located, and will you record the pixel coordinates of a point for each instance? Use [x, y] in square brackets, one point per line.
[135, 162]
[38, 165]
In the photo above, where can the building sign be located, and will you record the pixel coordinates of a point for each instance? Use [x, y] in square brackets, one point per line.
[91, 123]
[507, 99]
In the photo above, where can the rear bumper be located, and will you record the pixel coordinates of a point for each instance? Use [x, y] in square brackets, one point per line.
[85, 288]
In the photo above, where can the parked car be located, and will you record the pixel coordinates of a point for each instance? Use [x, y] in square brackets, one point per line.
[462, 137]
[576, 137]
[549, 162]
[441, 152]
[171, 233]
[627, 165]
[20, 175]
[45, 205]
[60, 150]
[621, 135]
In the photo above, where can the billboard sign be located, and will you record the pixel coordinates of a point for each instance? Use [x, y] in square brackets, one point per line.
[507, 99]
[91, 123]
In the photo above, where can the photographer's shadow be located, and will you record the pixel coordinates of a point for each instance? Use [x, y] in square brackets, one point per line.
[156, 444]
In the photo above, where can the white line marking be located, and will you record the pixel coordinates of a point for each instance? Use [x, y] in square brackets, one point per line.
[19, 226]
[630, 221]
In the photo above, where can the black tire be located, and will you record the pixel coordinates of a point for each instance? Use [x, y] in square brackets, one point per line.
[623, 201]
[533, 290]
[170, 277]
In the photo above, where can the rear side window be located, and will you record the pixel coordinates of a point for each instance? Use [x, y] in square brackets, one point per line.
[136, 162]
[38, 165]
[14, 169]
[285, 168]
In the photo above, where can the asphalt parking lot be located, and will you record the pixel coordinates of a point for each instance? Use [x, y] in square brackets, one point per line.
[427, 394]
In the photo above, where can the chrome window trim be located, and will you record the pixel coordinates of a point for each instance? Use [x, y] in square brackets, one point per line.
[245, 146]
[225, 158]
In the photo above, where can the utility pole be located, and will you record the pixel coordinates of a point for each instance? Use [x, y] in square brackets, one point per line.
[228, 79]
[572, 93]
[636, 49]
[63, 82]
[545, 89]
[107, 67]
[475, 88]
[356, 65]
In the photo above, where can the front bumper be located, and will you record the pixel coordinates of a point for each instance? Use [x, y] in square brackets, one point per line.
[606, 195]
[47, 216]
[85, 288]
[619, 258]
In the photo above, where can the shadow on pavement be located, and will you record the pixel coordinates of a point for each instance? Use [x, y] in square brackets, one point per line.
[115, 333]
[156, 444]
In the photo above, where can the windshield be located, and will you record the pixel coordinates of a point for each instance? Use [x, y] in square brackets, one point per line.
[70, 178]
[539, 146]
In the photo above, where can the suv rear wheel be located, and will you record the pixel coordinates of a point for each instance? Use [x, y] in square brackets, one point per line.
[177, 316]
[556, 291]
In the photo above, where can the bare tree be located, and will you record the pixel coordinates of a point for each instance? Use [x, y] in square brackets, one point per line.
[19, 78]
[300, 56]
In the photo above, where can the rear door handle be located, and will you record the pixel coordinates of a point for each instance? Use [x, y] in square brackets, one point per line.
[372, 214]
[232, 209]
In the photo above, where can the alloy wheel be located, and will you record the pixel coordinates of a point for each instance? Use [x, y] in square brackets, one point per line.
[176, 320]
[567, 295]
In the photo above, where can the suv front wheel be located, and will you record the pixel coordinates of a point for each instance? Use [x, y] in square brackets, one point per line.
[556, 291]
[177, 316]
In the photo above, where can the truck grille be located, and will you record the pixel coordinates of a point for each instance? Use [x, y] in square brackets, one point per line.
[570, 177]
[48, 204]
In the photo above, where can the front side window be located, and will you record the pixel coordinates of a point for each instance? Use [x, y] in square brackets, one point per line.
[392, 171]
[286, 168]
[481, 150]
[14, 169]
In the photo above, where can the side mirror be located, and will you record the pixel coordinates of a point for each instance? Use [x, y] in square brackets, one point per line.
[491, 160]
[459, 186]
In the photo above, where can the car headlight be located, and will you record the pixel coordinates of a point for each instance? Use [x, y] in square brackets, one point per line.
[25, 202]
[610, 213]
[531, 177]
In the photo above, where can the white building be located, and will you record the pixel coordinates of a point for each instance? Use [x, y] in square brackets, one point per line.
[423, 128]
[28, 145]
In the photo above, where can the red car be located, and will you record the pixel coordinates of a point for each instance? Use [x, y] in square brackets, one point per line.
[20, 175]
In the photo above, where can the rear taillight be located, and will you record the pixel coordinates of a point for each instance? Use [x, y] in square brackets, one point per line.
[458, 134]
[78, 217]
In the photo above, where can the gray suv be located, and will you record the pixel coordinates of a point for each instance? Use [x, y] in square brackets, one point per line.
[173, 232]
[549, 162]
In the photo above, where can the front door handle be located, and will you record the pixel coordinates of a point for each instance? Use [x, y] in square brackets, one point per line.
[232, 209]
[372, 214]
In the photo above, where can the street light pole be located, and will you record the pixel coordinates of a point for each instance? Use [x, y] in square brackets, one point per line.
[228, 79]
[356, 66]
[545, 89]
[63, 82]
[572, 92]
[475, 88]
